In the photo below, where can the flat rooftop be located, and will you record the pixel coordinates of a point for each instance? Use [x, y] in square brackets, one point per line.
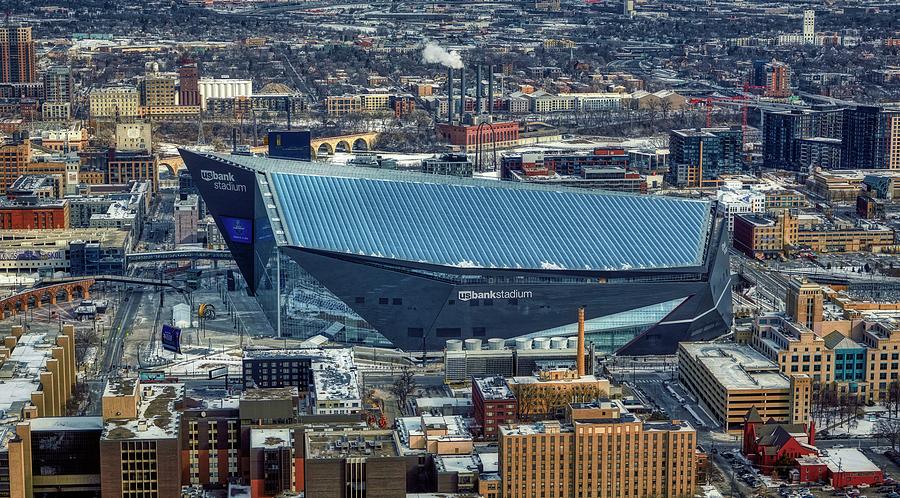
[370, 444]
[157, 416]
[735, 366]
[494, 388]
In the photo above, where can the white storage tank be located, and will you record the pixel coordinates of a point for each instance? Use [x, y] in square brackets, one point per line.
[454, 345]
[496, 343]
[523, 343]
[573, 342]
[542, 343]
[473, 344]
[558, 342]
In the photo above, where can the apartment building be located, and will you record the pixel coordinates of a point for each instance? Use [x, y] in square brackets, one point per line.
[600, 450]
[113, 102]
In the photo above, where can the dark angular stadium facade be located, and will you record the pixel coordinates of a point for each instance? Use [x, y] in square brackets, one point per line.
[376, 257]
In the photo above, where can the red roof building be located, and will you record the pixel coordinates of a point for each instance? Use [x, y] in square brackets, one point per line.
[773, 446]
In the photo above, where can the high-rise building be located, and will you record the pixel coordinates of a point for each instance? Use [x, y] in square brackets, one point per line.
[778, 80]
[189, 83]
[600, 450]
[800, 139]
[887, 147]
[17, 62]
[58, 84]
[704, 153]
[859, 141]
[758, 78]
[809, 26]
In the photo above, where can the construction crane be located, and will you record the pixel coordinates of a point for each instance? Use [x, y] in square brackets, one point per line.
[710, 101]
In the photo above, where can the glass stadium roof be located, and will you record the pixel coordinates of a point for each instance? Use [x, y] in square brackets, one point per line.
[481, 223]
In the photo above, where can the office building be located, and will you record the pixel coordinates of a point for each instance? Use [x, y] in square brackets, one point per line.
[448, 164]
[795, 348]
[328, 377]
[39, 375]
[15, 156]
[17, 57]
[804, 302]
[135, 136]
[600, 450]
[882, 340]
[37, 187]
[704, 153]
[33, 212]
[58, 89]
[730, 379]
[188, 83]
[114, 102]
[139, 449]
[187, 217]
[75, 251]
[314, 243]
[158, 90]
[762, 237]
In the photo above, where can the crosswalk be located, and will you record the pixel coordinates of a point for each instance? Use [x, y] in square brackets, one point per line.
[648, 381]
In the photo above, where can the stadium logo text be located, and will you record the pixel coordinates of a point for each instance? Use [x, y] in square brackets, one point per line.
[223, 181]
[513, 294]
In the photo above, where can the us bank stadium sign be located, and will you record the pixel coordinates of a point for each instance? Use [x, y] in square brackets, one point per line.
[510, 294]
[222, 181]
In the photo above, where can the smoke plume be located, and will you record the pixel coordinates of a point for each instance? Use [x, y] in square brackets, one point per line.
[436, 54]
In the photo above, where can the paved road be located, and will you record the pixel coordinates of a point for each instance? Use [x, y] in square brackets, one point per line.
[114, 344]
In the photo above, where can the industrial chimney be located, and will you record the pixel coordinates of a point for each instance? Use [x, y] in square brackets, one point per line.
[462, 94]
[579, 354]
[491, 89]
[478, 90]
[450, 95]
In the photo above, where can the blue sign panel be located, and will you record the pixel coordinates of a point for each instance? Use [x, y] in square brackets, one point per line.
[171, 339]
[238, 229]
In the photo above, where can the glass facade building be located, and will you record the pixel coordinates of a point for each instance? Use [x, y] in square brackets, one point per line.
[411, 260]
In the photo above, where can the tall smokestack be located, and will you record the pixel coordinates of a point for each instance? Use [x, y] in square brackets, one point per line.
[462, 93]
[478, 90]
[450, 95]
[579, 355]
[491, 89]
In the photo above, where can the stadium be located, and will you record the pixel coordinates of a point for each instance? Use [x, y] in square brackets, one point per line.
[407, 259]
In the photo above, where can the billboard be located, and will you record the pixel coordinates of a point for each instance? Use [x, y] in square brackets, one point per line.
[238, 229]
[218, 372]
[171, 339]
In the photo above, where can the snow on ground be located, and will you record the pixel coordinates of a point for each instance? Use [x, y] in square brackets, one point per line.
[865, 425]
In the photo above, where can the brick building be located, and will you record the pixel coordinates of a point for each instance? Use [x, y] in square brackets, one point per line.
[494, 405]
[30, 212]
[503, 134]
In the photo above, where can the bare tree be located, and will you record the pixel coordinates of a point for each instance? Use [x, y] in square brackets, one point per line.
[85, 339]
[889, 429]
[404, 385]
